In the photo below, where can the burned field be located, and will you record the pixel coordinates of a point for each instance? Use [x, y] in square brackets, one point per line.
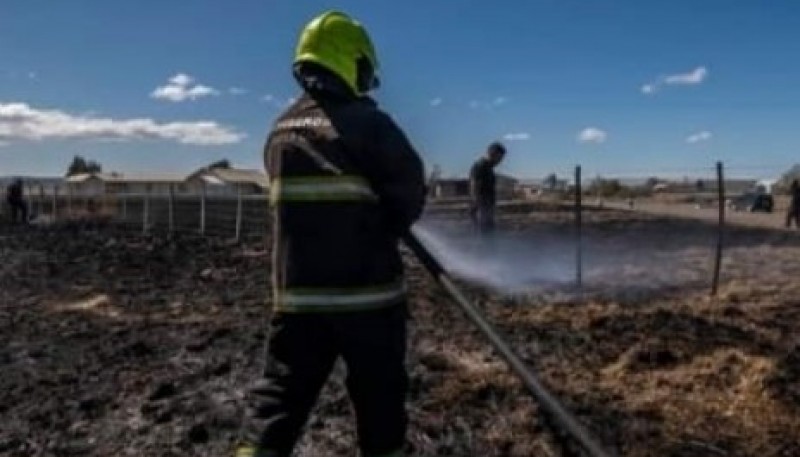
[112, 343]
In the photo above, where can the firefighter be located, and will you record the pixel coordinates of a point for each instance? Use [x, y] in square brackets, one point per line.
[793, 214]
[482, 183]
[346, 184]
[16, 202]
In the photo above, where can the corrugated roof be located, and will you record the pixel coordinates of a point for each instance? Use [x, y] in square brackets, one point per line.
[142, 177]
[213, 180]
[79, 177]
[114, 177]
[240, 176]
[220, 175]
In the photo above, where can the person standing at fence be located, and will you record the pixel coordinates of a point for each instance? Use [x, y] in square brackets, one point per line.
[793, 214]
[346, 185]
[16, 202]
[483, 188]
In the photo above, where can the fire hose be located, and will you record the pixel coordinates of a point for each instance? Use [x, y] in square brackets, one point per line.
[548, 402]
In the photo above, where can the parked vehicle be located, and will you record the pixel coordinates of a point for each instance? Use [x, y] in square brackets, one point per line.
[752, 202]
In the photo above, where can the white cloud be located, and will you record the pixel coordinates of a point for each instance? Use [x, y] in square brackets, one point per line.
[436, 101]
[179, 94]
[488, 105]
[18, 121]
[237, 91]
[520, 136]
[699, 137]
[693, 77]
[696, 76]
[181, 79]
[277, 102]
[592, 135]
[648, 89]
[180, 88]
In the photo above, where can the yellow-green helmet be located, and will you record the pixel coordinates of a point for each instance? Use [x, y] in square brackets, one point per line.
[340, 44]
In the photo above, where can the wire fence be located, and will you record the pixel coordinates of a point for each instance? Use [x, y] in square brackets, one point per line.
[240, 217]
[245, 217]
[744, 221]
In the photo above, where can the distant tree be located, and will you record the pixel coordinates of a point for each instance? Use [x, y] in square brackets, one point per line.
[606, 188]
[81, 165]
[551, 181]
[700, 185]
[224, 163]
[651, 182]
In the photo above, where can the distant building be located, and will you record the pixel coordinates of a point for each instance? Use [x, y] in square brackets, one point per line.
[459, 187]
[531, 188]
[215, 181]
[114, 183]
[451, 188]
[229, 181]
[661, 187]
[506, 187]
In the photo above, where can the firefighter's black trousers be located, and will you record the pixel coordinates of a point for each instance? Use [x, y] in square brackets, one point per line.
[302, 350]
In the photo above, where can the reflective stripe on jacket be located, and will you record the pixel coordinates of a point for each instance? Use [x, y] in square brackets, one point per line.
[321, 188]
[343, 299]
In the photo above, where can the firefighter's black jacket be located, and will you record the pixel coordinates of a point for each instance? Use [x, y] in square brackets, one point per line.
[345, 183]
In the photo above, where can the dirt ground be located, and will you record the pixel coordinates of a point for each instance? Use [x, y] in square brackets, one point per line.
[114, 344]
[709, 212]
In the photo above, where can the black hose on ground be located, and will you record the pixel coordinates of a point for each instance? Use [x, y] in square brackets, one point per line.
[549, 403]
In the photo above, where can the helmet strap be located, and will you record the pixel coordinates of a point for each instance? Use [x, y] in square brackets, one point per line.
[365, 75]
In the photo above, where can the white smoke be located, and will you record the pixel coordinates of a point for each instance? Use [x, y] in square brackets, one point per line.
[623, 264]
[505, 262]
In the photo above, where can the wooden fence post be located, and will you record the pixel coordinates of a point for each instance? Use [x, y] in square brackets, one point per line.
[54, 202]
[171, 208]
[578, 230]
[41, 200]
[203, 209]
[145, 213]
[720, 229]
[69, 201]
[238, 212]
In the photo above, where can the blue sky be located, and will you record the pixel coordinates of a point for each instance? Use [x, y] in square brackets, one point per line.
[622, 87]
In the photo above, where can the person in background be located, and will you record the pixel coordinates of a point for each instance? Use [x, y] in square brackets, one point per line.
[793, 214]
[483, 188]
[16, 202]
